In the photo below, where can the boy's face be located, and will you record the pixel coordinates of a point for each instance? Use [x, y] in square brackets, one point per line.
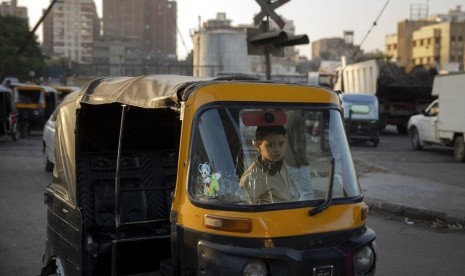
[272, 147]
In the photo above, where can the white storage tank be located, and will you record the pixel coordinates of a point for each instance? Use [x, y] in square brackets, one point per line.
[220, 52]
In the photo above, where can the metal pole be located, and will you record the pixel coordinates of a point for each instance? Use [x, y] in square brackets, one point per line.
[267, 50]
[117, 176]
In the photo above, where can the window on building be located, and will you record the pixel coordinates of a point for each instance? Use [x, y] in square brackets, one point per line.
[421, 42]
[459, 38]
[452, 38]
[414, 43]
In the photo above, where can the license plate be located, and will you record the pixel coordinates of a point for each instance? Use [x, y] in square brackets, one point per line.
[323, 270]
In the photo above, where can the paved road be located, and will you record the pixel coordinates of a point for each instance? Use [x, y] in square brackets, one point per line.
[395, 154]
[404, 248]
[22, 212]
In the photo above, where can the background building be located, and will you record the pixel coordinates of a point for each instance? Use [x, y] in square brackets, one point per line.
[151, 22]
[70, 29]
[11, 8]
[220, 48]
[436, 41]
[336, 47]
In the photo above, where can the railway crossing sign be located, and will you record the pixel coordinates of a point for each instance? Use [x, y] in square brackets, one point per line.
[268, 8]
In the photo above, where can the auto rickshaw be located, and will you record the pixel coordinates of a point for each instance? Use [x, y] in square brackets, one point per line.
[361, 117]
[8, 114]
[35, 104]
[147, 180]
[64, 90]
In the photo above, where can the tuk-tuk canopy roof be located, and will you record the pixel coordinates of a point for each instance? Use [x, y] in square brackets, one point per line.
[4, 89]
[149, 91]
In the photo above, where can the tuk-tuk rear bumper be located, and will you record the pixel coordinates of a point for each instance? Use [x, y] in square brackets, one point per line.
[220, 259]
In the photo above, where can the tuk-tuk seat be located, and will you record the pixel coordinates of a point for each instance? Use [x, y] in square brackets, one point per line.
[146, 182]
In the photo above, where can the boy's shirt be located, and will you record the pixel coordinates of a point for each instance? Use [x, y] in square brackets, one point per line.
[263, 188]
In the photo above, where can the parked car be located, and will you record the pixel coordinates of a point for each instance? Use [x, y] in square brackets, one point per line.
[361, 117]
[48, 140]
[48, 137]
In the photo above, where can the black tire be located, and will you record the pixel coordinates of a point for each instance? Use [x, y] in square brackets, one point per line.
[459, 149]
[415, 139]
[375, 143]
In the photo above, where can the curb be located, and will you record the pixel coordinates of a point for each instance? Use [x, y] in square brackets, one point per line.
[415, 213]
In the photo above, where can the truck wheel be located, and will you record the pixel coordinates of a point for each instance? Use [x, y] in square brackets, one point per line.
[459, 149]
[415, 139]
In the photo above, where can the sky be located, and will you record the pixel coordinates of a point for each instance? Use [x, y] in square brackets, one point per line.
[318, 18]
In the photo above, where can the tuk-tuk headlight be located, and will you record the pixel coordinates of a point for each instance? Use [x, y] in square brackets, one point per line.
[35, 112]
[255, 268]
[364, 260]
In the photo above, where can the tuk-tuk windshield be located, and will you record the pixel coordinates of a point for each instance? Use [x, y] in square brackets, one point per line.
[29, 96]
[254, 156]
[357, 106]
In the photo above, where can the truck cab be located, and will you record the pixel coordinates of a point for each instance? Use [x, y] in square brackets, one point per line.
[444, 127]
[423, 127]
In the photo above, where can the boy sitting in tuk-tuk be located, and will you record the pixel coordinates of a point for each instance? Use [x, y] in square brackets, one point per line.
[266, 180]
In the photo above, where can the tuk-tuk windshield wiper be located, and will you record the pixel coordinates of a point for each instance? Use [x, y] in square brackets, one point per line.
[323, 206]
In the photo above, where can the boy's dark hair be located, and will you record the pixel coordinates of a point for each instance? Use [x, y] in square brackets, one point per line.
[263, 131]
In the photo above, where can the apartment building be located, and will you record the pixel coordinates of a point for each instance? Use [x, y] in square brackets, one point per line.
[151, 22]
[437, 42]
[336, 47]
[11, 8]
[69, 30]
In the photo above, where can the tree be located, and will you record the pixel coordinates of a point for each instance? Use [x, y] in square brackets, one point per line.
[13, 32]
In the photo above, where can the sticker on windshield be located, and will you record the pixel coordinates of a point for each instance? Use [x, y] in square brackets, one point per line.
[210, 180]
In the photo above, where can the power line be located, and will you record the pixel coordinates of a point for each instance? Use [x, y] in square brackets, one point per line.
[375, 23]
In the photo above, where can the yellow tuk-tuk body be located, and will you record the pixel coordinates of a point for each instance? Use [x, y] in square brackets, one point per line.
[155, 176]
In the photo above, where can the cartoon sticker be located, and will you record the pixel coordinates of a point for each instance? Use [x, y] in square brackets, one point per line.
[210, 181]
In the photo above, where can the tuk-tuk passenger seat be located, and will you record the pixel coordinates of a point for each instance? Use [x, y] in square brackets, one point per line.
[147, 181]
